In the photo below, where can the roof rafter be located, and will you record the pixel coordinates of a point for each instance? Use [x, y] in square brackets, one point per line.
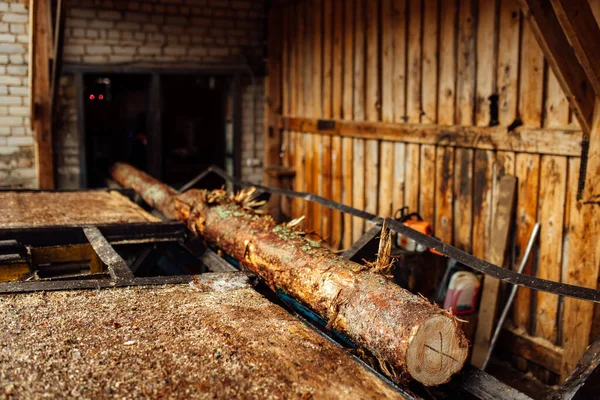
[580, 26]
[562, 59]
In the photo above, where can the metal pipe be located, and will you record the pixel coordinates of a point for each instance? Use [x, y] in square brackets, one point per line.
[511, 297]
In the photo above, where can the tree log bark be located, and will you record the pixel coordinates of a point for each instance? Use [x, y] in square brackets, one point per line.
[410, 337]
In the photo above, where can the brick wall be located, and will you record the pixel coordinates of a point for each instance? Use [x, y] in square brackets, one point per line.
[163, 31]
[16, 139]
[145, 32]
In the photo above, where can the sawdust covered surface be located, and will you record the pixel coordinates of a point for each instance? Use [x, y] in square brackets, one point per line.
[169, 342]
[19, 209]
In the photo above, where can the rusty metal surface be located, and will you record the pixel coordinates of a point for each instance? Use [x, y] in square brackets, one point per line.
[155, 193]
[31, 209]
[202, 340]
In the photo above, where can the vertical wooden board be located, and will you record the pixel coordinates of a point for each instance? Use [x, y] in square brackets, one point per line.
[318, 154]
[532, 78]
[429, 84]
[308, 65]
[413, 79]
[371, 175]
[348, 85]
[347, 192]
[292, 164]
[399, 176]
[427, 185]
[466, 77]
[504, 164]
[465, 93]
[359, 60]
[463, 198]
[299, 166]
[358, 145]
[372, 88]
[583, 265]
[508, 61]
[326, 186]
[336, 190]
[499, 242]
[348, 113]
[387, 62]
[412, 182]
[373, 104]
[309, 179]
[444, 166]
[285, 98]
[486, 60]
[386, 179]
[553, 179]
[447, 62]
[285, 62]
[293, 49]
[316, 48]
[328, 40]
[317, 88]
[528, 175]
[556, 107]
[399, 71]
[317, 157]
[337, 112]
[301, 59]
[386, 165]
[358, 185]
[338, 70]
[482, 202]
[570, 197]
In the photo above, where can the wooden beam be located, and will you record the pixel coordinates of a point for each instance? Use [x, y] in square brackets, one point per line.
[535, 349]
[40, 90]
[57, 53]
[580, 26]
[562, 59]
[566, 142]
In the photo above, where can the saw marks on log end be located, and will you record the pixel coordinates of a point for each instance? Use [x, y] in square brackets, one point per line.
[436, 351]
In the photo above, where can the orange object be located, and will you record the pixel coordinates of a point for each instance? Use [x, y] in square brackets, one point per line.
[413, 221]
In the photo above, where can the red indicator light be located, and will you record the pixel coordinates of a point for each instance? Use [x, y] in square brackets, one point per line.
[92, 97]
[100, 97]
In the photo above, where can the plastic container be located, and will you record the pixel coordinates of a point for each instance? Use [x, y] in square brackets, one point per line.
[463, 293]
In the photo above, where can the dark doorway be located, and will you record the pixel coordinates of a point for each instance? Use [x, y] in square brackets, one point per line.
[193, 126]
[172, 125]
[115, 123]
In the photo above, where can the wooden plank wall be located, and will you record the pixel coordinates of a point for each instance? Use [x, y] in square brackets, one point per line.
[430, 62]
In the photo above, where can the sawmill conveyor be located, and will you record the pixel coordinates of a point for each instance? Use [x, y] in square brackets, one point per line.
[218, 335]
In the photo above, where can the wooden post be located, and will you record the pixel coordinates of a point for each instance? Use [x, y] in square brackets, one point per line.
[497, 250]
[41, 114]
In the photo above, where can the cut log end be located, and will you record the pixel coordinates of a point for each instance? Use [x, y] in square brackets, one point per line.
[436, 352]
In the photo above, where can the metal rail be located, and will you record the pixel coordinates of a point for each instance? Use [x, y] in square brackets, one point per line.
[465, 258]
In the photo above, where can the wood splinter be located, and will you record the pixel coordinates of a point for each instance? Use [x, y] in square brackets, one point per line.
[415, 338]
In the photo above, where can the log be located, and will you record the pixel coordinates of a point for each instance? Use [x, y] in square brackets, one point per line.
[156, 194]
[410, 337]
